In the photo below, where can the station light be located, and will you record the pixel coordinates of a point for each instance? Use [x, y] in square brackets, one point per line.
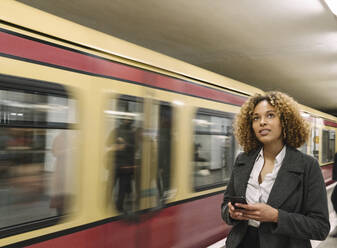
[332, 4]
[305, 115]
[179, 103]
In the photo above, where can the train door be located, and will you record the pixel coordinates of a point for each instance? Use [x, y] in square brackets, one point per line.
[157, 154]
[155, 225]
[139, 158]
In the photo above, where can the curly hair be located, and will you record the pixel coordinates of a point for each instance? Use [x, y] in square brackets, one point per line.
[295, 129]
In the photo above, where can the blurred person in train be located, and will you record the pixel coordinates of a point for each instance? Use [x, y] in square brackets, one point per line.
[284, 188]
[334, 194]
[60, 198]
[124, 149]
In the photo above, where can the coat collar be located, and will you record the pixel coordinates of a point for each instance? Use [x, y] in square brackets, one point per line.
[244, 167]
[289, 175]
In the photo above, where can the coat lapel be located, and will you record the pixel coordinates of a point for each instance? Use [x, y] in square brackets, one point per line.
[241, 174]
[289, 176]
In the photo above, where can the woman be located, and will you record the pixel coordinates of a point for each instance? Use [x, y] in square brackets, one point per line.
[284, 188]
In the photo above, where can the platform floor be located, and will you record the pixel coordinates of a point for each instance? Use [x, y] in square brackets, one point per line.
[328, 243]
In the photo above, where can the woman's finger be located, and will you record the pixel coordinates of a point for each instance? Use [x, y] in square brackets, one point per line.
[231, 207]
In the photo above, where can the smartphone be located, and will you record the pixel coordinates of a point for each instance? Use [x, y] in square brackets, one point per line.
[237, 199]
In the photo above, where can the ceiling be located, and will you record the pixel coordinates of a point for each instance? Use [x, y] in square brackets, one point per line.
[274, 45]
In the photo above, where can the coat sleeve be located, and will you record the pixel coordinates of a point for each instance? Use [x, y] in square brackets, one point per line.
[229, 192]
[313, 221]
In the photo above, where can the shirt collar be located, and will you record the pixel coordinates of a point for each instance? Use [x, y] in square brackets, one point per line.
[260, 155]
[280, 156]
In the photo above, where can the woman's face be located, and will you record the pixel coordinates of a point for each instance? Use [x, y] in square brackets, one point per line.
[266, 123]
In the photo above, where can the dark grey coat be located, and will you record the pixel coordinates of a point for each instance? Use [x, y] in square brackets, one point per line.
[298, 193]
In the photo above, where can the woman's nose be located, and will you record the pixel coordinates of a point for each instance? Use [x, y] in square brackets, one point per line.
[262, 121]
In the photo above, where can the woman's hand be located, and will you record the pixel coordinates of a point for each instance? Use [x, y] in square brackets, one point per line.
[234, 213]
[258, 211]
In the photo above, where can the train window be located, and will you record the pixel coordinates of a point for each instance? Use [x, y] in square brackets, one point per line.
[30, 109]
[214, 148]
[328, 145]
[37, 147]
[125, 122]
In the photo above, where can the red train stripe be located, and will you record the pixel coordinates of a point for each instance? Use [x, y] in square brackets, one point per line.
[167, 228]
[26, 48]
[327, 173]
[330, 123]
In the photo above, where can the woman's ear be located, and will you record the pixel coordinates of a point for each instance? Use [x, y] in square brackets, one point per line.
[284, 133]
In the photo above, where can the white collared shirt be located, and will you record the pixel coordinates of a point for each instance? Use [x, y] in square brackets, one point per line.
[259, 193]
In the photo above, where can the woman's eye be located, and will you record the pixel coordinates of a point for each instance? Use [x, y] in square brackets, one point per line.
[270, 115]
[255, 118]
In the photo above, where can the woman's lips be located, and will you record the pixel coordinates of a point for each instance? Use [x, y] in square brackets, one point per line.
[264, 132]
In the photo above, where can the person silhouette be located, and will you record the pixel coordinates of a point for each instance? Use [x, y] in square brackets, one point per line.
[124, 150]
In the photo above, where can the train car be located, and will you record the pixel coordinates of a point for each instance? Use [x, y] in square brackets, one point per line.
[107, 144]
[322, 140]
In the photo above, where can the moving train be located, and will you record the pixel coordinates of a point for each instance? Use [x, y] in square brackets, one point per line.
[107, 144]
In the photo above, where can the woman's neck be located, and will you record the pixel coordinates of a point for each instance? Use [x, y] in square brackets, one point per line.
[271, 150]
